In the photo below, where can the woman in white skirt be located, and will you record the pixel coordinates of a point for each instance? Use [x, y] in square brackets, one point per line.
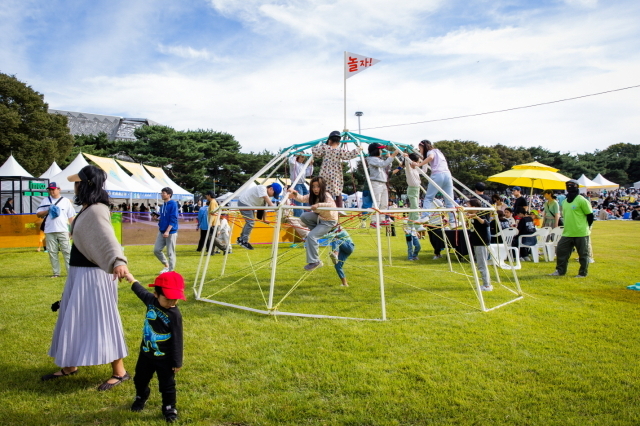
[89, 330]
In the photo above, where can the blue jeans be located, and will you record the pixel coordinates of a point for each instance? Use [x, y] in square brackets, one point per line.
[344, 249]
[444, 181]
[301, 189]
[413, 246]
[317, 229]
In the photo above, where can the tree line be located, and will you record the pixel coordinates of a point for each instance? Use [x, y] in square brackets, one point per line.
[200, 160]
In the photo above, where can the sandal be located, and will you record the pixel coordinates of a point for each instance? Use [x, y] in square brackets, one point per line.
[106, 385]
[55, 376]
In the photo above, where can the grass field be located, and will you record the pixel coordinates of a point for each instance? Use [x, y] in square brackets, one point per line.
[567, 354]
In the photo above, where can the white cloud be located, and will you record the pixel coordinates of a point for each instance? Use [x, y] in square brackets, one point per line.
[188, 52]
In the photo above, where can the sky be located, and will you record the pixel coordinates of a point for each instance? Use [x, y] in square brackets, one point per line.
[271, 72]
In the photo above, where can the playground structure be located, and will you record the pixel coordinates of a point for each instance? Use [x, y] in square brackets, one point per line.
[283, 210]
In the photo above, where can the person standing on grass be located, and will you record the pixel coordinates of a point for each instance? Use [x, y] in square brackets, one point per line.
[207, 221]
[342, 246]
[257, 196]
[318, 222]
[162, 343]
[480, 239]
[167, 230]
[578, 218]
[89, 330]
[331, 169]
[551, 210]
[58, 213]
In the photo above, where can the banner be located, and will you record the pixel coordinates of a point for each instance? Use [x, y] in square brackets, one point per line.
[355, 63]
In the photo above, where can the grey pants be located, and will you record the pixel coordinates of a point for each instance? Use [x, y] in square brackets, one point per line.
[563, 253]
[249, 222]
[481, 254]
[58, 241]
[170, 244]
[317, 229]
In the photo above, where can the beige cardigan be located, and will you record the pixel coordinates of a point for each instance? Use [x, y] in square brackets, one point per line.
[94, 236]
[324, 214]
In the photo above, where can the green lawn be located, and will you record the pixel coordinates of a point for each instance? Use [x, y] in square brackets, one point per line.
[567, 354]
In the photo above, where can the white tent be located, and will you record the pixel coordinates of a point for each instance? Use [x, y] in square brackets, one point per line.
[586, 184]
[76, 165]
[604, 183]
[123, 180]
[53, 170]
[637, 185]
[12, 168]
[139, 174]
[161, 177]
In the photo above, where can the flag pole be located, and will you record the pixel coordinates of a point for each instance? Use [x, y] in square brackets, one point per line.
[344, 65]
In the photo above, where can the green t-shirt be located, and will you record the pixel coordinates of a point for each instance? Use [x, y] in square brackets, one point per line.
[575, 217]
[550, 209]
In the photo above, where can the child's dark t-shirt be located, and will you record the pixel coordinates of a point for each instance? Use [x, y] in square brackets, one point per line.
[162, 331]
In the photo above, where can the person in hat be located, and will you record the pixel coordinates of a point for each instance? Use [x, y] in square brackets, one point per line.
[379, 175]
[331, 169]
[479, 189]
[58, 213]
[162, 344]
[89, 330]
[578, 218]
[259, 195]
[520, 200]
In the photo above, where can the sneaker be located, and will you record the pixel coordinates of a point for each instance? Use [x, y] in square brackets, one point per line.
[140, 401]
[486, 287]
[334, 257]
[246, 245]
[170, 413]
[592, 260]
[165, 269]
[580, 276]
[555, 274]
[437, 256]
[311, 266]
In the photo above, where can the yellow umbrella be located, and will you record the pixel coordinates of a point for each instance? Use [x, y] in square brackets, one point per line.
[532, 178]
[535, 165]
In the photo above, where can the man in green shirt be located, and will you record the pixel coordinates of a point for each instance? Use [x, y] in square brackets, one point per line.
[578, 217]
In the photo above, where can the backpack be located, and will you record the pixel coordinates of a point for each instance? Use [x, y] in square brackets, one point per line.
[54, 212]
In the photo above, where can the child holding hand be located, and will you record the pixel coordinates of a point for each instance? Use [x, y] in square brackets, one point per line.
[161, 348]
[318, 222]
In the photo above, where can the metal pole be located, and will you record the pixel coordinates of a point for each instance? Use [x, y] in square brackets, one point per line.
[359, 114]
[344, 65]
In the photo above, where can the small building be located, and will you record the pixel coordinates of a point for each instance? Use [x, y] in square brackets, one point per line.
[116, 128]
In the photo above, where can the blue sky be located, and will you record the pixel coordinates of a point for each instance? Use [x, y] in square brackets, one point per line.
[271, 73]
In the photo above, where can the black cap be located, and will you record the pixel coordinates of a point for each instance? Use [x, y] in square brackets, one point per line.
[335, 133]
[480, 186]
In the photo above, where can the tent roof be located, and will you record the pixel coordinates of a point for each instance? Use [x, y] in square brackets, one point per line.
[12, 168]
[120, 178]
[73, 168]
[604, 183]
[53, 170]
[161, 177]
[588, 183]
[139, 174]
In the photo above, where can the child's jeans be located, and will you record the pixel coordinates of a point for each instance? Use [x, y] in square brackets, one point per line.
[413, 246]
[344, 249]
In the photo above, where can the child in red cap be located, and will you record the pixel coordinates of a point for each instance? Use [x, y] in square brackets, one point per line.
[161, 348]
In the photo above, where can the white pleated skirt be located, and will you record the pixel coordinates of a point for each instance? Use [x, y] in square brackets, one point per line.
[89, 329]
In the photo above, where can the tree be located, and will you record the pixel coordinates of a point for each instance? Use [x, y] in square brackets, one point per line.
[35, 137]
[512, 156]
[99, 145]
[469, 161]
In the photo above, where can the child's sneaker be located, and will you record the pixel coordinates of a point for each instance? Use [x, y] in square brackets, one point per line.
[140, 401]
[487, 288]
[311, 266]
[334, 257]
[170, 413]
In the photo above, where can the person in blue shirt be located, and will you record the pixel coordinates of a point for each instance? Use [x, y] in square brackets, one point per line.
[167, 231]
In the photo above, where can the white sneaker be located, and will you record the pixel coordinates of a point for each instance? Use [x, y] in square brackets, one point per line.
[437, 257]
[165, 270]
[486, 287]
[592, 260]
[334, 257]
[554, 274]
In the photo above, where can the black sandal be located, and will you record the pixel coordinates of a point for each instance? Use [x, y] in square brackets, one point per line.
[55, 376]
[106, 385]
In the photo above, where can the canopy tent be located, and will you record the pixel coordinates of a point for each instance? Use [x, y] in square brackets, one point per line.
[140, 175]
[123, 180]
[161, 177]
[73, 168]
[53, 170]
[531, 178]
[604, 183]
[535, 166]
[637, 185]
[587, 184]
[17, 183]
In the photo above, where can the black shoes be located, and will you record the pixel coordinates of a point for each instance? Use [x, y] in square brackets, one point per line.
[170, 413]
[245, 244]
[140, 401]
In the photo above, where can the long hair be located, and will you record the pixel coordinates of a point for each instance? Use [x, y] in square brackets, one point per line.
[425, 146]
[320, 198]
[91, 187]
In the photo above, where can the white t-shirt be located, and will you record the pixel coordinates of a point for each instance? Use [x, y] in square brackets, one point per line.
[60, 223]
[439, 163]
[253, 196]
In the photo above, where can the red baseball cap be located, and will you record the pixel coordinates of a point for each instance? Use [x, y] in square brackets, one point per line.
[172, 285]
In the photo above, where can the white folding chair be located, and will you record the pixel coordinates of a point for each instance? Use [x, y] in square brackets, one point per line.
[552, 242]
[500, 252]
[541, 240]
